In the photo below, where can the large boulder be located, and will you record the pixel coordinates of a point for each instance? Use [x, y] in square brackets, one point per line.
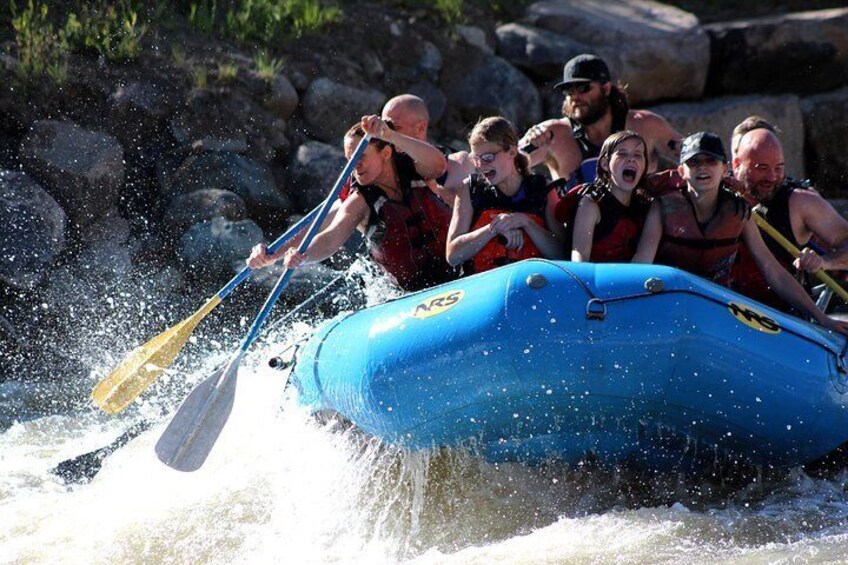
[801, 53]
[218, 246]
[32, 230]
[250, 179]
[282, 98]
[826, 128]
[139, 110]
[658, 50]
[82, 169]
[541, 52]
[201, 206]
[312, 171]
[494, 87]
[331, 108]
[721, 115]
[229, 121]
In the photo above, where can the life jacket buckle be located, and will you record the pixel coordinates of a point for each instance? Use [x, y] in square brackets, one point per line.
[596, 309]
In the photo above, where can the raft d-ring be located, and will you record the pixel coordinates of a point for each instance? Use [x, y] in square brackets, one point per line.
[654, 285]
[841, 363]
[536, 281]
[596, 310]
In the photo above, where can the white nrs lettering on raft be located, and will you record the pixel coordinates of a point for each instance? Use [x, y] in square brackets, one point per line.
[753, 318]
[438, 304]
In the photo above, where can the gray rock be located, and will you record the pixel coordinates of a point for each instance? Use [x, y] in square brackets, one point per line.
[103, 264]
[721, 115]
[496, 88]
[431, 61]
[32, 230]
[138, 111]
[332, 108]
[201, 206]
[433, 97]
[282, 99]
[249, 179]
[83, 170]
[826, 127]
[371, 65]
[658, 50]
[111, 227]
[802, 53]
[475, 37]
[214, 247]
[539, 51]
[229, 121]
[312, 172]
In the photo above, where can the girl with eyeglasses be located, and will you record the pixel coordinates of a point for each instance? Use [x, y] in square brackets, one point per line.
[502, 213]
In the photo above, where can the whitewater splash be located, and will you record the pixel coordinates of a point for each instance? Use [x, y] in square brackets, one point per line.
[281, 487]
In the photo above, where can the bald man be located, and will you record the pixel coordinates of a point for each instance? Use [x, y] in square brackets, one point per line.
[799, 213]
[408, 115]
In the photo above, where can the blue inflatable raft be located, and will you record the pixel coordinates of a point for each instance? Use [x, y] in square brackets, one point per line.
[553, 360]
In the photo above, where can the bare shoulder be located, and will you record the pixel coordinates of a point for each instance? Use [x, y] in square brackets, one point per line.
[809, 198]
[646, 120]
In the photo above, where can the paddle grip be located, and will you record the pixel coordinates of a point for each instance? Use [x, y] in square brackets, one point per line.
[277, 244]
[787, 245]
[304, 244]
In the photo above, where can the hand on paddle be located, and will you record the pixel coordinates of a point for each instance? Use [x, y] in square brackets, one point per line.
[375, 126]
[260, 258]
[810, 261]
[294, 259]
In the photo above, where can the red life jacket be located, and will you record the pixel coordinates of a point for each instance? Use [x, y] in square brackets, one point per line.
[705, 250]
[665, 181]
[488, 202]
[408, 239]
[495, 253]
[616, 236]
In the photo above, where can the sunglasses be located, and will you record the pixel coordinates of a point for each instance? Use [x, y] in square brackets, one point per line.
[577, 88]
[486, 158]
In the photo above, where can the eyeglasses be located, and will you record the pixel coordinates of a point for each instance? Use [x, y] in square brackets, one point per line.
[390, 123]
[576, 88]
[486, 158]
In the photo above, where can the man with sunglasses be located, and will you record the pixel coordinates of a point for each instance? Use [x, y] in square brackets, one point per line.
[593, 109]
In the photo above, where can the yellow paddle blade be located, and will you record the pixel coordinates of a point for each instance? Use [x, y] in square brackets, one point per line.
[129, 379]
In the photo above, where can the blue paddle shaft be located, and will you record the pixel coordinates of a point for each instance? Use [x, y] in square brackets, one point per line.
[304, 244]
[277, 244]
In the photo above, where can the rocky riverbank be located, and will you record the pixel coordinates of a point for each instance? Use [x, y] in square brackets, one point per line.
[138, 184]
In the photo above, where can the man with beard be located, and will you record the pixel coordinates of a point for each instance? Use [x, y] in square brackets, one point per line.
[593, 109]
[798, 212]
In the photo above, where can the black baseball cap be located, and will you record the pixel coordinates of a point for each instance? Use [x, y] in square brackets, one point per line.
[584, 68]
[702, 143]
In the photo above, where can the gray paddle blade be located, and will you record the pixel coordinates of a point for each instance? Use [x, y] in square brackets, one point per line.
[195, 428]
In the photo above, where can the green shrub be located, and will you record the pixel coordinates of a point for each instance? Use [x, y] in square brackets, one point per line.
[451, 10]
[42, 49]
[263, 22]
[202, 16]
[266, 66]
[111, 29]
[227, 72]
